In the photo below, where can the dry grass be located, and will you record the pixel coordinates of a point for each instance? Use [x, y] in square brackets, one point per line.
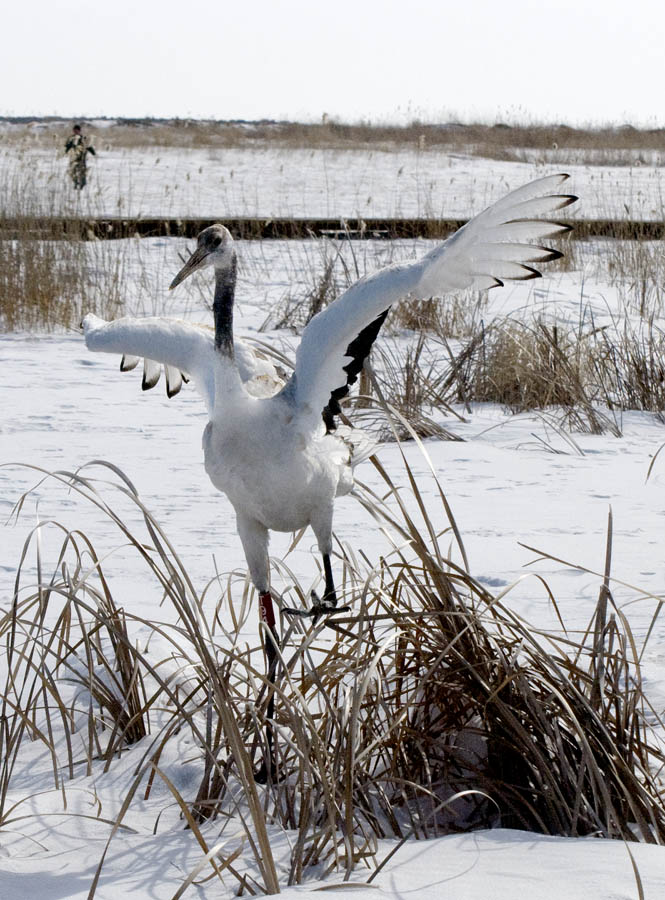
[53, 271]
[433, 708]
[329, 267]
[525, 367]
[611, 144]
[49, 285]
[586, 376]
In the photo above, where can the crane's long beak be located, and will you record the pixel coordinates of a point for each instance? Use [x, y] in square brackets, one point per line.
[195, 261]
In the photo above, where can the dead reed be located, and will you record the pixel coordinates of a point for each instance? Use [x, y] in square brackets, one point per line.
[47, 284]
[432, 707]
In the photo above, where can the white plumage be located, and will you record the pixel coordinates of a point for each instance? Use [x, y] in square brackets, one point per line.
[271, 455]
[185, 349]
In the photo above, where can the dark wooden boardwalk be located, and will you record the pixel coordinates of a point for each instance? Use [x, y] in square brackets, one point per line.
[110, 227]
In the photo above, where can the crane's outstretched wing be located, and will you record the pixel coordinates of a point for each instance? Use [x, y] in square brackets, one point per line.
[493, 246]
[185, 350]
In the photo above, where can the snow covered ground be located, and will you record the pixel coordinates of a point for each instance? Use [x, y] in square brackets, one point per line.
[502, 864]
[516, 480]
[265, 181]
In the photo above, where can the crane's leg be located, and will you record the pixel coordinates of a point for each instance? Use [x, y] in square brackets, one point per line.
[254, 537]
[322, 527]
[329, 595]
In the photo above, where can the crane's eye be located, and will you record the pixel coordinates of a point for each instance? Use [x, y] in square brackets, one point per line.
[216, 241]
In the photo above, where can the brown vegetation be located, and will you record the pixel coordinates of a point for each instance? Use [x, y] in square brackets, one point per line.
[495, 141]
[433, 708]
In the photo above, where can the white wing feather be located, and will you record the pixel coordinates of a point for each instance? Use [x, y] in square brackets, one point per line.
[174, 380]
[158, 341]
[184, 349]
[480, 255]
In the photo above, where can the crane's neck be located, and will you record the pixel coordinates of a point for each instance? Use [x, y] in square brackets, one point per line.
[222, 307]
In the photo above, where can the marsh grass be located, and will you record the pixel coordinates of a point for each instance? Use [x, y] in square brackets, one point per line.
[527, 366]
[50, 272]
[586, 376]
[49, 285]
[323, 271]
[430, 708]
[611, 144]
[637, 268]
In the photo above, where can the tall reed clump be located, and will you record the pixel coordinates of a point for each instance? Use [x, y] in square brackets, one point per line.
[585, 376]
[51, 271]
[70, 656]
[528, 366]
[431, 707]
[48, 285]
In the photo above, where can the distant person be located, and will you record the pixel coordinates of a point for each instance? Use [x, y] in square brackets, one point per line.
[77, 148]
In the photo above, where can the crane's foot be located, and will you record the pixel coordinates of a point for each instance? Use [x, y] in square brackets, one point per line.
[326, 606]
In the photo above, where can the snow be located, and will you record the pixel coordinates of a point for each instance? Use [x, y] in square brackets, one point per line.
[265, 181]
[501, 864]
[516, 480]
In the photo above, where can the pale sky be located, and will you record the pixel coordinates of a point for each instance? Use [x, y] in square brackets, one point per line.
[574, 61]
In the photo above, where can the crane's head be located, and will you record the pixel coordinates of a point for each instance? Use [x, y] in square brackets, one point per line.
[214, 247]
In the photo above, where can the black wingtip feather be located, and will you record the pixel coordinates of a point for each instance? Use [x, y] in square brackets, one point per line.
[569, 200]
[148, 384]
[530, 273]
[358, 350]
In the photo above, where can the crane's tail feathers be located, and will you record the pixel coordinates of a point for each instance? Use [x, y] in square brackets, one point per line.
[359, 443]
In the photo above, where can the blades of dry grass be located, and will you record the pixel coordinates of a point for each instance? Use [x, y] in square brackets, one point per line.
[166, 566]
[598, 664]
[653, 462]
[437, 706]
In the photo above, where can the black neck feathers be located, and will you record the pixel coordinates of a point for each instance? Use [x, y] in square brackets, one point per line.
[225, 289]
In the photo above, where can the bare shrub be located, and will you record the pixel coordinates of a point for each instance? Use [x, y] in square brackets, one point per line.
[295, 311]
[638, 269]
[411, 381]
[629, 365]
[326, 269]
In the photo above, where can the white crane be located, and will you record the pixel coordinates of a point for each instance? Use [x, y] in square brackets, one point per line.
[277, 458]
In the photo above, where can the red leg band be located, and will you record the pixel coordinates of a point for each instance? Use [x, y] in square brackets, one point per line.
[266, 611]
